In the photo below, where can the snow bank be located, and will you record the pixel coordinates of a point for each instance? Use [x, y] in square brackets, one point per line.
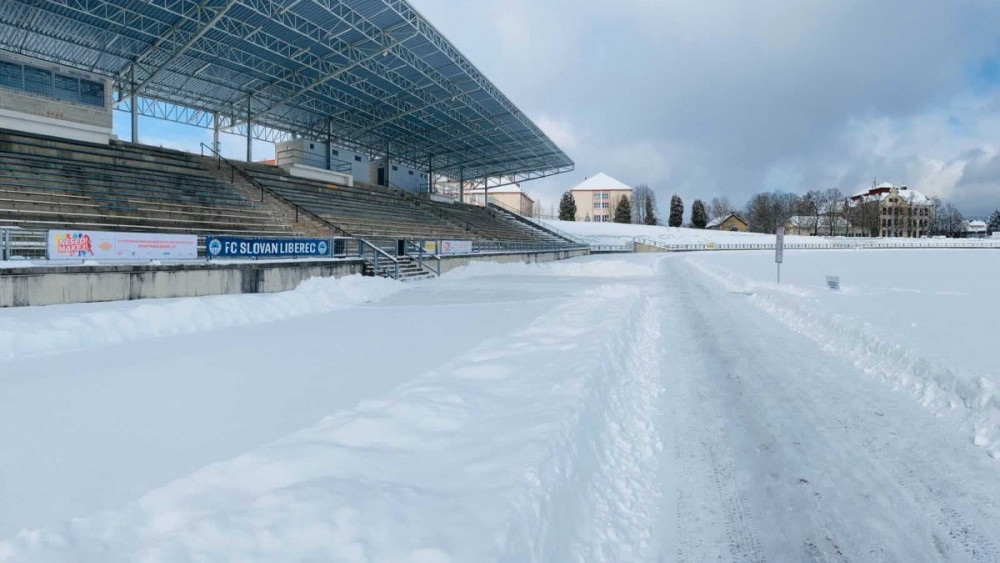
[619, 233]
[26, 335]
[939, 386]
[540, 446]
[564, 268]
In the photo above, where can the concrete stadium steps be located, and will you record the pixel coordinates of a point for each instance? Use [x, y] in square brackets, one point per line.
[377, 211]
[47, 182]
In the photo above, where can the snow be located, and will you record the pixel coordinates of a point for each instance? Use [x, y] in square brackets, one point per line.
[619, 234]
[601, 182]
[921, 324]
[648, 407]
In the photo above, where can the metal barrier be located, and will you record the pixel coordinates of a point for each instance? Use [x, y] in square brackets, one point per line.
[854, 244]
[22, 244]
[381, 261]
[418, 251]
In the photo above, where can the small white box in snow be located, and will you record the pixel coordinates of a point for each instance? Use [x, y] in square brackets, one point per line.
[833, 282]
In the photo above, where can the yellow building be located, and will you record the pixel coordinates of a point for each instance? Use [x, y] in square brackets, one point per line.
[731, 222]
[597, 196]
[508, 197]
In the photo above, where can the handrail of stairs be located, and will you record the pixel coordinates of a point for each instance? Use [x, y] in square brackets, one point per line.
[535, 222]
[264, 189]
[421, 251]
[376, 253]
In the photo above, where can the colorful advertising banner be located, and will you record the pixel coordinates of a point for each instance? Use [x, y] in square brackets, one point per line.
[456, 246]
[105, 245]
[243, 247]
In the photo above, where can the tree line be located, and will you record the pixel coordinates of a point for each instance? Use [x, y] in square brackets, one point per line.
[830, 211]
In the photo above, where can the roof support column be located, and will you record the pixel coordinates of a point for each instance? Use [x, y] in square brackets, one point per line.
[430, 174]
[249, 130]
[215, 133]
[461, 184]
[329, 145]
[133, 107]
[388, 162]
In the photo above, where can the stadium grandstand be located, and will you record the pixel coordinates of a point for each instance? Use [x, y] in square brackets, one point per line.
[368, 105]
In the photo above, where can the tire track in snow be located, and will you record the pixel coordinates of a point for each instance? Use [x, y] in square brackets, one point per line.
[725, 521]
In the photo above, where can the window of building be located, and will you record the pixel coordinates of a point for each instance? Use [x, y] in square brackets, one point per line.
[597, 205]
[10, 75]
[394, 167]
[335, 152]
[411, 172]
[91, 93]
[37, 80]
[357, 158]
[67, 88]
[604, 205]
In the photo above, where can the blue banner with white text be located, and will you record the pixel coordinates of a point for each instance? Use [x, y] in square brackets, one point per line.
[247, 247]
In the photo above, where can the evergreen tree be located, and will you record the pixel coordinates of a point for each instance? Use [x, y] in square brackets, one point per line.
[993, 225]
[649, 211]
[567, 207]
[699, 217]
[623, 211]
[676, 211]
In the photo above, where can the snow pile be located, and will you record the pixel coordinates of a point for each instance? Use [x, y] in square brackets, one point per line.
[905, 335]
[564, 268]
[24, 334]
[539, 446]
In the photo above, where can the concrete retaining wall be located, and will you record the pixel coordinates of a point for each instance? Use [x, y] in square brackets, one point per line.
[449, 263]
[21, 287]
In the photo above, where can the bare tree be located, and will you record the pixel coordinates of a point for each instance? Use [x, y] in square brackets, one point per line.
[832, 208]
[810, 205]
[767, 211]
[719, 207]
[643, 198]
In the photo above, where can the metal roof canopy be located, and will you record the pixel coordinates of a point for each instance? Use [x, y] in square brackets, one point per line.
[369, 72]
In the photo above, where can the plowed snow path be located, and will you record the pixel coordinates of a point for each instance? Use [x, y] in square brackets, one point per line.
[592, 410]
[782, 452]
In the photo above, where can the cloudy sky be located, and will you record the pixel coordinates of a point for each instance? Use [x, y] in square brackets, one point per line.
[706, 97]
[710, 97]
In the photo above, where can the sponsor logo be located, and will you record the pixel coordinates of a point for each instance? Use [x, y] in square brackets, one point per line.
[214, 247]
[323, 247]
[74, 244]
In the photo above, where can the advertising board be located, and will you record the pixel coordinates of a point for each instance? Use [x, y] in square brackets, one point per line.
[249, 247]
[107, 245]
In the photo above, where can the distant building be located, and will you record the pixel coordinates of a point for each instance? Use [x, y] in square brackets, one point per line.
[974, 229]
[731, 222]
[509, 197]
[808, 225]
[597, 196]
[894, 211]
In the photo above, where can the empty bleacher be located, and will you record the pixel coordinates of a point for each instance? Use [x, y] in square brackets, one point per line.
[376, 211]
[51, 183]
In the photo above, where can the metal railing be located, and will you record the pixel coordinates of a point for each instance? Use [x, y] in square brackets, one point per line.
[418, 251]
[852, 244]
[381, 261]
[22, 244]
[264, 189]
[536, 222]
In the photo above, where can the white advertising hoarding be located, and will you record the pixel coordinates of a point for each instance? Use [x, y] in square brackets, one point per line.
[456, 246]
[105, 245]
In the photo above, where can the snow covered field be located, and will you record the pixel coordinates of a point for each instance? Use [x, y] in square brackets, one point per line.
[626, 408]
[616, 234]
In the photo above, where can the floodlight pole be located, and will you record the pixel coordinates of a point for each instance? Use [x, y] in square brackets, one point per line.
[249, 131]
[133, 108]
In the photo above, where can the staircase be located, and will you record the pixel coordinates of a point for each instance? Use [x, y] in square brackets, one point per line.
[409, 269]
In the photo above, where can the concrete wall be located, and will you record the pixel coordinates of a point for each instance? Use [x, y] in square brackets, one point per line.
[85, 284]
[449, 263]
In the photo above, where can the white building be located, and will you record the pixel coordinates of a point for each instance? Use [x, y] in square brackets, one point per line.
[597, 196]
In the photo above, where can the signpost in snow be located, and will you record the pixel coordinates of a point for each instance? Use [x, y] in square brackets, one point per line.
[833, 282]
[779, 250]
